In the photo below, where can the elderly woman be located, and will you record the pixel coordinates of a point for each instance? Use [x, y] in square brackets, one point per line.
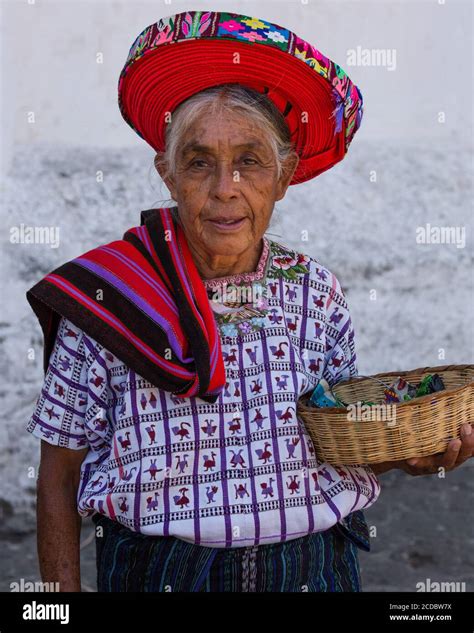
[176, 356]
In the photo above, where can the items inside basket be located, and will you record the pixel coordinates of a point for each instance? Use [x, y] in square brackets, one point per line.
[398, 391]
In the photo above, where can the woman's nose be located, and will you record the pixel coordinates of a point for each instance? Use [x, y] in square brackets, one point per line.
[225, 182]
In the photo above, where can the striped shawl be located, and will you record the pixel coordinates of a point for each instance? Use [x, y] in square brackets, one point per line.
[141, 298]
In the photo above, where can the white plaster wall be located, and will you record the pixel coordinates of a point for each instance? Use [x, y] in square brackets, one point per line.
[49, 49]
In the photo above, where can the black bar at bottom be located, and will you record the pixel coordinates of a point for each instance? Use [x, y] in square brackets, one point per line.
[239, 613]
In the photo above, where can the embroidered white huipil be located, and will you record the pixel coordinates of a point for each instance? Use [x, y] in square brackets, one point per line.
[239, 472]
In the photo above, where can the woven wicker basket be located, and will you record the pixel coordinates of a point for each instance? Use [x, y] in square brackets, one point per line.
[420, 427]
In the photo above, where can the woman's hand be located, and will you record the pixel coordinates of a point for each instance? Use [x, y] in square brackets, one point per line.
[457, 452]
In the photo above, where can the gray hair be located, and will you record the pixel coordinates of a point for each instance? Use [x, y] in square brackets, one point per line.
[261, 111]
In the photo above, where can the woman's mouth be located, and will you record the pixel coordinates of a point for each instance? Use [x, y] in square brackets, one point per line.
[224, 224]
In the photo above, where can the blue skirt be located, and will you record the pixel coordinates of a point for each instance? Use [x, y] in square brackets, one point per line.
[129, 561]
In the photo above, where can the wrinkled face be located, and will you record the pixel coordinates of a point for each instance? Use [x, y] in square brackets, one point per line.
[226, 185]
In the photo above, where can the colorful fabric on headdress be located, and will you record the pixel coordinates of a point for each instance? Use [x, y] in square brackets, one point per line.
[188, 52]
[143, 299]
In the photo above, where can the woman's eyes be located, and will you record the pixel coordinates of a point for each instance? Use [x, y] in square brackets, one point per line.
[247, 160]
[195, 163]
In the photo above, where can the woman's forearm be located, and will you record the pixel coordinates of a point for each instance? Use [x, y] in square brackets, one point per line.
[59, 529]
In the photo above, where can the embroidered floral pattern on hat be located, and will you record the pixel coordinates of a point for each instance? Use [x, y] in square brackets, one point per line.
[253, 30]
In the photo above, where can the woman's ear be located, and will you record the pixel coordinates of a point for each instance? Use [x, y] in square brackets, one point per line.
[159, 165]
[168, 180]
[287, 172]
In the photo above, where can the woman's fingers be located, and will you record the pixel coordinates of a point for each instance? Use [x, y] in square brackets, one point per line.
[448, 460]
[421, 462]
[431, 464]
[422, 465]
[467, 447]
[458, 451]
